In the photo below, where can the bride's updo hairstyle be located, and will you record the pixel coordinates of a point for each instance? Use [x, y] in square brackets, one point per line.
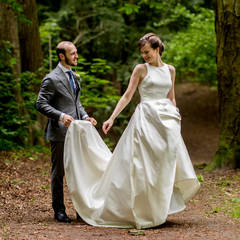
[153, 40]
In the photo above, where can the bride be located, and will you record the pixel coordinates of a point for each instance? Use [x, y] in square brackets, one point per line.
[149, 175]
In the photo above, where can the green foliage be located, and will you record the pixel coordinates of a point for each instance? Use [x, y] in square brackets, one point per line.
[178, 19]
[49, 28]
[98, 95]
[129, 8]
[49, 31]
[10, 119]
[192, 51]
[225, 155]
[200, 178]
[225, 197]
[29, 81]
[110, 30]
[38, 149]
[236, 212]
[17, 9]
[96, 91]
[235, 200]
[97, 28]
[14, 120]
[106, 35]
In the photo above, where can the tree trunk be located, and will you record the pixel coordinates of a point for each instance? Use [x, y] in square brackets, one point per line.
[31, 52]
[31, 58]
[9, 32]
[227, 20]
[25, 40]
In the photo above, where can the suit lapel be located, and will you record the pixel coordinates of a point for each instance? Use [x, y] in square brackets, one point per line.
[77, 82]
[63, 78]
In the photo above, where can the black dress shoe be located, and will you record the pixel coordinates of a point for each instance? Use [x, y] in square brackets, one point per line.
[62, 217]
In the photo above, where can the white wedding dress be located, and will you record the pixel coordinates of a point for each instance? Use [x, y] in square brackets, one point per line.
[147, 177]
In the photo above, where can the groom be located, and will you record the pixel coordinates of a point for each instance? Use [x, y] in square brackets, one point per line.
[59, 100]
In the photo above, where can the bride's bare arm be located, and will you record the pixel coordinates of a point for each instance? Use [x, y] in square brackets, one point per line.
[171, 94]
[137, 76]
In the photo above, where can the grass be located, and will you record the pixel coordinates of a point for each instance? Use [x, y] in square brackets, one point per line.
[227, 190]
[236, 212]
[45, 187]
[200, 178]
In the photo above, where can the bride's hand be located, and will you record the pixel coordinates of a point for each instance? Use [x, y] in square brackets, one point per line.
[107, 125]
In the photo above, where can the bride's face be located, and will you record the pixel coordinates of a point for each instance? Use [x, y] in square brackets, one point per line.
[149, 54]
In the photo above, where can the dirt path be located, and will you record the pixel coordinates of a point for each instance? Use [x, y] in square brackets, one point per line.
[199, 110]
[25, 205]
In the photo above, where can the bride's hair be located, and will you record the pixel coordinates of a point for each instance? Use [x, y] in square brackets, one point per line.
[153, 40]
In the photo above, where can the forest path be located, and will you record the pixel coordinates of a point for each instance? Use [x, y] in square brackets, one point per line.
[25, 206]
[199, 109]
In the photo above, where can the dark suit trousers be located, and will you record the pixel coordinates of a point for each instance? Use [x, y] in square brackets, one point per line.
[57, 175]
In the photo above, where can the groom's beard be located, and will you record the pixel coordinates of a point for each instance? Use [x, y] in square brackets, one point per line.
[67, 61]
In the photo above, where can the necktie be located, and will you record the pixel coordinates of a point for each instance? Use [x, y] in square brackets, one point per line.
[70, 73]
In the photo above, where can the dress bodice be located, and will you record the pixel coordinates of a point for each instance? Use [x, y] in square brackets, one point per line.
[156, 84]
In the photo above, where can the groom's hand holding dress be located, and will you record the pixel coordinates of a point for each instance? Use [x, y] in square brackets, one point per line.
[67, 119]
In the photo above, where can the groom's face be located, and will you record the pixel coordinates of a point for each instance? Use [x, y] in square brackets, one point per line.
[71, 55]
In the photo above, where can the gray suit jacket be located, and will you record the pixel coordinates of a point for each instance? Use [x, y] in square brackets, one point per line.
[56, 96]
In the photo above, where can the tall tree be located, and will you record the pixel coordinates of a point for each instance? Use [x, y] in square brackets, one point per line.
[19, 26]
[31, 52]
[9, 32]
[31, 55]
[227, 21]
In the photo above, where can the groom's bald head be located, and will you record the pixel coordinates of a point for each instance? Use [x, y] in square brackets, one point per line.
[67, 54]
[63, 46]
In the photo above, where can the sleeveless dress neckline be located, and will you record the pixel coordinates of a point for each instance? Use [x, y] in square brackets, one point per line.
[151, 67]
[164, 64]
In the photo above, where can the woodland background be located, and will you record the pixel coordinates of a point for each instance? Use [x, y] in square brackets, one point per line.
[202, 41]
[106, 35]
